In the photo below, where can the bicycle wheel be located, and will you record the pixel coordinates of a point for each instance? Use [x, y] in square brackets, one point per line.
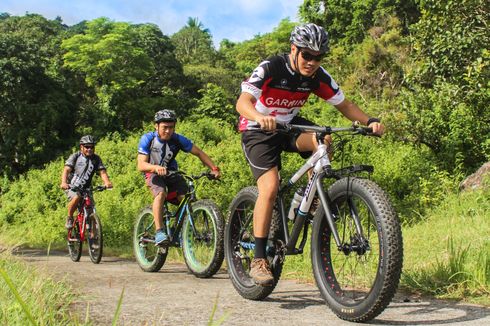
[202, 239]
[149, 257]
[239, 245]
[95, 240]
[74, 243]
[358, 281]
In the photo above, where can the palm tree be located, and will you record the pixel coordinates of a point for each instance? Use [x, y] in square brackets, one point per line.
[195, 23]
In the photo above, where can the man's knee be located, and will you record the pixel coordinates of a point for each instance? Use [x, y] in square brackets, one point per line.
[160, 196]
[268, 188]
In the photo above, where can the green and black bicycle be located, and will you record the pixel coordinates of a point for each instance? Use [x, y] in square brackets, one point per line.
[194, 225]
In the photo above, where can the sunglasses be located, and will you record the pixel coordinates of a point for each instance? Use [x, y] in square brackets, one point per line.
[310, 57]
[89, 146]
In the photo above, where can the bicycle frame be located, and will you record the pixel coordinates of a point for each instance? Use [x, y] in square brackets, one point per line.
[85, 208]
[321, 167]
[184, 209]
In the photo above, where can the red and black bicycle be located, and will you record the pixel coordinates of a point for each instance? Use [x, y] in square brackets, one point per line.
[86, 226]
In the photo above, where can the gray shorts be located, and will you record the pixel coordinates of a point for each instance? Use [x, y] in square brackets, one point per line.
[70, 194]
[167, 184]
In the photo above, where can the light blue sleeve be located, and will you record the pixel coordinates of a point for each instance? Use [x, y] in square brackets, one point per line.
[185, 142]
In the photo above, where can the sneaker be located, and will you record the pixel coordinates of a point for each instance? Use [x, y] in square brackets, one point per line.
[161, 238]
[69, 223]
[260, 271]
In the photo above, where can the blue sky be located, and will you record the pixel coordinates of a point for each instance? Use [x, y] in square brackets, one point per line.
[236, 20]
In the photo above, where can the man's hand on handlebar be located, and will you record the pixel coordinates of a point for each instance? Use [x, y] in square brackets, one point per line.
[160, 170]
[266, 122]
[378, 128]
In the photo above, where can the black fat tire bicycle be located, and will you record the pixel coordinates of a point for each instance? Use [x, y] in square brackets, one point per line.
[196, 226]
[356, 239]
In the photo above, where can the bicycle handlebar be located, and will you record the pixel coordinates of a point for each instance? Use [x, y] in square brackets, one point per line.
[356, 128]
[328, 130]
[96, 188]
[206, 174]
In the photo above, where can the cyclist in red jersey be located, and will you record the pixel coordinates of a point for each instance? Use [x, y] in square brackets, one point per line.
[275, 92]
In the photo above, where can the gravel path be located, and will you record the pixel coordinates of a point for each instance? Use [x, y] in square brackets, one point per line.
[175, 297]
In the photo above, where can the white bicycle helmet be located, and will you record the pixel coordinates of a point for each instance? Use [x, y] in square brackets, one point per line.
[310, 36]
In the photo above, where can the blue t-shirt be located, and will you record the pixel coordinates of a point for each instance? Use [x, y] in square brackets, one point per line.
[163, 152]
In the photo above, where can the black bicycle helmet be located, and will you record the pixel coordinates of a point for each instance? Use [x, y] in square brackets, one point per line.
[87, 139]
[310, 36]
[165, 115]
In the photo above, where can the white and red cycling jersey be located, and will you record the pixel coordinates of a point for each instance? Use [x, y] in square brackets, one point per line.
[281, 92]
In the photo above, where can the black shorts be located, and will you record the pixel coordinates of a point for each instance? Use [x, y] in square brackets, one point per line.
[263, 148]
[167, 184]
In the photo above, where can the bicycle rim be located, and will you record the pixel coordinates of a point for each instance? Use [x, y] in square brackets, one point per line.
[202, 241]
[95, 239]
[149, 257]
[74, 243]
[359, 280]
[352, 275]
[240, 245]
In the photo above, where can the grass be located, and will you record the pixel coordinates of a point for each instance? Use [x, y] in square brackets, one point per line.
[448, 255]
[28, 298]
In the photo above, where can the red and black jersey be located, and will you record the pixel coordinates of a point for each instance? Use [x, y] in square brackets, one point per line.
[281, 92]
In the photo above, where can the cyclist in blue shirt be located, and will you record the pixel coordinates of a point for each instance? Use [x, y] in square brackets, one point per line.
[156, 155]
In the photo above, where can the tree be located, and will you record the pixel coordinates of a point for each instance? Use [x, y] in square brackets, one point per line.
[215, 104]
[110, 61]
[36, 112]
[248, 54]
[194, 44]
[446, 106]
[348, 21]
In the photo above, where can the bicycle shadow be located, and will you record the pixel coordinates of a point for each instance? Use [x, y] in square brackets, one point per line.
[401, 311]
[431, 312]
[296, 300]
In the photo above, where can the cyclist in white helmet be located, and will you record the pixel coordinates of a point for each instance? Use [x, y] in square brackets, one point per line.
[77, 174]
[275, 92]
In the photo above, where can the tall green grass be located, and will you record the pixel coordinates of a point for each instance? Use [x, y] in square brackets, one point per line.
[28, 298]
[448, 255]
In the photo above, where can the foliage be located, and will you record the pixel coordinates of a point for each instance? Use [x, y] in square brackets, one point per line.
[227, 80]
[453, 127]
[45, 300]
[215, 104]
[248, 54]
[348, 21]
[194, 44]
[447, 254]
[35, 109]
[445, 105]
[451, 42]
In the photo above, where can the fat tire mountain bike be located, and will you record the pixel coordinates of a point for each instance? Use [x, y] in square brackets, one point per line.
[195, 225]
[86, 226]
[356, 239]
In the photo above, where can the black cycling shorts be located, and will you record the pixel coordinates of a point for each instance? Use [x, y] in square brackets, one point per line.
[263, 148]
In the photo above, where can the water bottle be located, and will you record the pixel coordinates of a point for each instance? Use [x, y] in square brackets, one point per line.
[298, 196]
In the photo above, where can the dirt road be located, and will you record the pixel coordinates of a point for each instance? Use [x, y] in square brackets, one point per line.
[175, 297]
